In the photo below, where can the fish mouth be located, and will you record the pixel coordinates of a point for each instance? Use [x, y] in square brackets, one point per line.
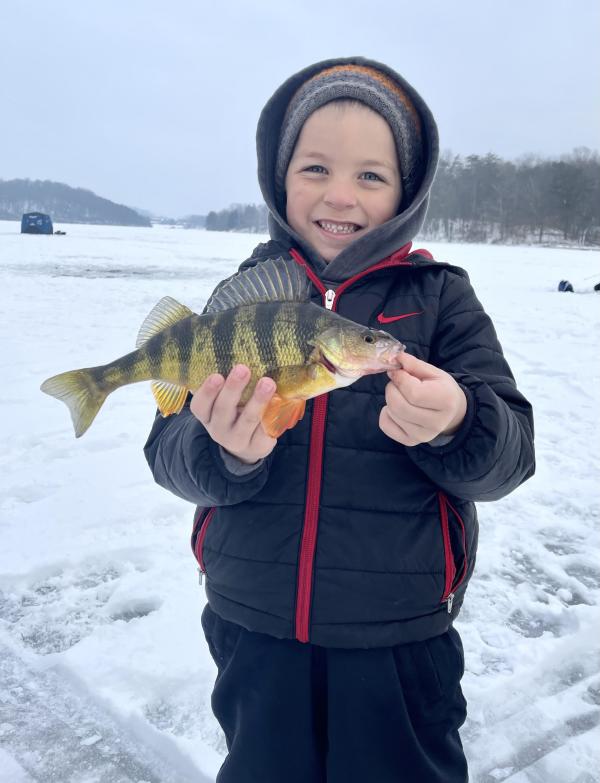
[384, 361]
[327, 364]
[391, 354]
[334, 369]
[340, 372]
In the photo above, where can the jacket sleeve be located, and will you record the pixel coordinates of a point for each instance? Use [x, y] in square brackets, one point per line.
[185, 460]
[492, 452]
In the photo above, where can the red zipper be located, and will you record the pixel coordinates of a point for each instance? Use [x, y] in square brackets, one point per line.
[399, 258]
[451, 584]
[198, 549]
[308, 542]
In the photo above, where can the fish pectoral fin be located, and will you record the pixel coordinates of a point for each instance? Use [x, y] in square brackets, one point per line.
[282, 414]
[169, 397]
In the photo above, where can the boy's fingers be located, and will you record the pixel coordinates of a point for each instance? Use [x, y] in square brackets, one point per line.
[250, 415]
[260, 440]
[417, 368]
[224, 410]
[403, 411]
[415, 391]
[394, 430]
[204, 397]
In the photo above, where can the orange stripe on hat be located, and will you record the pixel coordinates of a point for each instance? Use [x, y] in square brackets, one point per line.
[373, 73]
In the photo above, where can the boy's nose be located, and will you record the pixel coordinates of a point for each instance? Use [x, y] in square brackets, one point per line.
[340, 195]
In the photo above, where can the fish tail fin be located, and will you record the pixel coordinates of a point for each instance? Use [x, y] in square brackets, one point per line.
[79, 390]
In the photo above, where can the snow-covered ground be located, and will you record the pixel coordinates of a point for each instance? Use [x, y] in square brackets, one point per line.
[105, 673]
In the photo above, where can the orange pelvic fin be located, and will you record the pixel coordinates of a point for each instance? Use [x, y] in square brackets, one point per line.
[169, 397]
[282, 414]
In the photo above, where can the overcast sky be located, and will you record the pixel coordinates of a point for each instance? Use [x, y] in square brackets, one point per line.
[154, 104]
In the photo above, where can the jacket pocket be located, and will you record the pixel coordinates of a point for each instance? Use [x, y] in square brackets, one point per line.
[455, 549]
[202, 520]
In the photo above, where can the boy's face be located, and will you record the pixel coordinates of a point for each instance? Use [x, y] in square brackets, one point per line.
[343, 179]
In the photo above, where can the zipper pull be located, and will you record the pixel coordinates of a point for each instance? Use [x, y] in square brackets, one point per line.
[450, 601]
[329, 297]
[200, 576]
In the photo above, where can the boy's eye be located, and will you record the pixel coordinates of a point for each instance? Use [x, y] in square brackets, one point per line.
[370, 176]
[315, 169]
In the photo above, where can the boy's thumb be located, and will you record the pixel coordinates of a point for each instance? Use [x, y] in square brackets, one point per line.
[418, 368]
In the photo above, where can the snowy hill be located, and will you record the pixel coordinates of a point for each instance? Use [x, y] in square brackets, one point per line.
[63, 203]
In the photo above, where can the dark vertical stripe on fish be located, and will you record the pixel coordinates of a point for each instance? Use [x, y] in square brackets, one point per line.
[184, 336]
[154, 350]
[222, 339]
[203, 361]
[299, 336]
[262, 328]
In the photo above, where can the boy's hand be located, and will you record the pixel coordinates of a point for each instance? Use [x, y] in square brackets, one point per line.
[422, 402]
[240, 432]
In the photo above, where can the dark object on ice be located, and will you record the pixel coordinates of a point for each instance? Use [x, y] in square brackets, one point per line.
[36, 223]
[59, 233]
[597, 287]
[564, 285]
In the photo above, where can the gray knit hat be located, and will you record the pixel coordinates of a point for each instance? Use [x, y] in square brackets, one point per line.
[376, 90]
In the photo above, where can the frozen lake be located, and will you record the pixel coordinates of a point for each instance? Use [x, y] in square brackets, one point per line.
[105, 672]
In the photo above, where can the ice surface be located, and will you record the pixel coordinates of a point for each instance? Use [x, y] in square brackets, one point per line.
[105, 672]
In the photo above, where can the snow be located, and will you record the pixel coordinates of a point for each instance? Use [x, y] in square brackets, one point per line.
[105, 672]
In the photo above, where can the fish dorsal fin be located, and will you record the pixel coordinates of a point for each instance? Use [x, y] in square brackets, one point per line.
[275, 280]
[169, 397]
[164, 314]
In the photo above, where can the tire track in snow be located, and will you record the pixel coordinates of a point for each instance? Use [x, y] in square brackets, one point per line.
[526, 759]
[517, 739]
[58, 734]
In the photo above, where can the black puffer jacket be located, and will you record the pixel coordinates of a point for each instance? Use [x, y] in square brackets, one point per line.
[343, 537]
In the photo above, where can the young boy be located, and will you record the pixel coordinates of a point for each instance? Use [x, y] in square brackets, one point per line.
[337, 556]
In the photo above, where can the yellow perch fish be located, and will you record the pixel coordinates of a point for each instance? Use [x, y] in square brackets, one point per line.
[261, 317]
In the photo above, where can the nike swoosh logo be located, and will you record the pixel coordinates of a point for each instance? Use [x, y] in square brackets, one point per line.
[387, 319]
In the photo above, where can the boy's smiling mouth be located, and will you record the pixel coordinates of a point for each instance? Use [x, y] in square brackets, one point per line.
[338, 227]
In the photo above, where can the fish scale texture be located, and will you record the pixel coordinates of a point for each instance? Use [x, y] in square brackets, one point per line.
[397, 526]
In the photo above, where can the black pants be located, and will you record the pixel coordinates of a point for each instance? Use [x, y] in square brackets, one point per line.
[298, 713]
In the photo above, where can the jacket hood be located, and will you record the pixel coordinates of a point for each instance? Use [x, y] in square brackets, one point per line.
[381, 241]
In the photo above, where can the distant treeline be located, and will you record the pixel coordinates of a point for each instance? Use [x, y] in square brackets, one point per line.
[488, 199]
[238, 217]
[64, 204]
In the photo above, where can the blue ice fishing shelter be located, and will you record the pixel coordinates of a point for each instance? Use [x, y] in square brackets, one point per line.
[36, 223]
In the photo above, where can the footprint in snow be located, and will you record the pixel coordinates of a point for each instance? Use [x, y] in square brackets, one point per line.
[50, 614]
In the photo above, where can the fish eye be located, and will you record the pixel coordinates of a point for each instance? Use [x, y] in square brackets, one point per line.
[368, 338]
